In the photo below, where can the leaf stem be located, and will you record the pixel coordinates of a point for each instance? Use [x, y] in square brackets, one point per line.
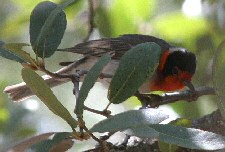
[103, 143]
[106, 108]
[56, 75]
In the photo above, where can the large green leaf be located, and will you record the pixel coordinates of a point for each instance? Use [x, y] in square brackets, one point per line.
[47, 27]
[176, 135]
[189, 137]
[130, 119]
[89, 82]
[218, 76]
[136, 65]
[42, 90]
[143, 131]
[178, 122]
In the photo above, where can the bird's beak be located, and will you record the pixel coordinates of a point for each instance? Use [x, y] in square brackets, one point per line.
[189, 85]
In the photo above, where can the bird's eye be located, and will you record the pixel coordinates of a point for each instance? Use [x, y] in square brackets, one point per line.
[175, 71]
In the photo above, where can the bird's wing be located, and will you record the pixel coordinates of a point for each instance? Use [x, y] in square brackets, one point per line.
[117, 45]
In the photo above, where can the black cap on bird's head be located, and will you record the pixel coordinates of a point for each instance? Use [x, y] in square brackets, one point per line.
[179, 58]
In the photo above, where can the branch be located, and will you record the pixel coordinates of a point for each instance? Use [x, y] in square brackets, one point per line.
[90, 19]
[154, 100]
[213, 122]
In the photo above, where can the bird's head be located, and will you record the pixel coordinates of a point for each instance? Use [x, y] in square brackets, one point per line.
[175, 70]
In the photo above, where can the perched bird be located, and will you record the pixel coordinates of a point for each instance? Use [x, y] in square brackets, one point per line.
[174, 72]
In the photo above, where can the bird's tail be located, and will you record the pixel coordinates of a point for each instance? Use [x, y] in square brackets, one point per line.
[21, 91]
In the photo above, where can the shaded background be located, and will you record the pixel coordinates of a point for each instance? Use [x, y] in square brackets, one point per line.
[198, 25]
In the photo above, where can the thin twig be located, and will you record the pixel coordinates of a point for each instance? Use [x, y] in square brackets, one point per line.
[106, 108]
[105, 113]
[91, 134]
[104, 145]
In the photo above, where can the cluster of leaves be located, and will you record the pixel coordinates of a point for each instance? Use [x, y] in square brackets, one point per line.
[47, 27]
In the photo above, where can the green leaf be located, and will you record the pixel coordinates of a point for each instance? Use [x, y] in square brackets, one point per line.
[183, 122]
[218, 76]
[130, 119]
[61, 136]
[180, 136]
[136, 65]
[89, 82]
[42, 90]
[47, 27]
[16, 48]
[189, 137]
[47, 145]
[142, 132]
[44, 145]
[6, 53]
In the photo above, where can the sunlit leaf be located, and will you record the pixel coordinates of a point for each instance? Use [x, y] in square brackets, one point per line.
[130, 119]
[89, 82]
[189, 137]
[218, 76]
[144, 123]
[143, 131]
[136, 65]
[183, 122]
[184, 137]
[42, 90]
[4, 52]
[178, 122]
[16, 48]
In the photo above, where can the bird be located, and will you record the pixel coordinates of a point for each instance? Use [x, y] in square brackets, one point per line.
[174, 72]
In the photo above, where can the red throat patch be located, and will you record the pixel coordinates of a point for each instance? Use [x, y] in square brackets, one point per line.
[170, 83]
